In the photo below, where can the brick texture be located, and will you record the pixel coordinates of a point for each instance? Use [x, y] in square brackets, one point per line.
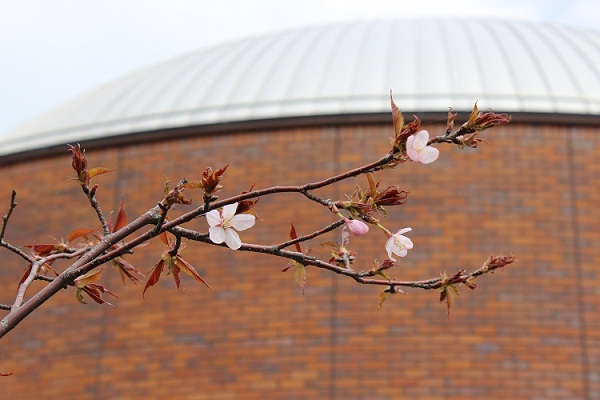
[531, 331]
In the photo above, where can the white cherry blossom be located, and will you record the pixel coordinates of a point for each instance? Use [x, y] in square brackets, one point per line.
[417, 149]
[398, 244]
[225, 224]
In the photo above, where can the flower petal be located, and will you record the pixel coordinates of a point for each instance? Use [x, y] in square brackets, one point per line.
[403, 230]
[421, 139]
[241, 222]
[213, 218]
[229, 211]
[358, 228]
[389, 245]
[216, 234]
[409, 141]
[401, 252]
[406, 242]
[429, 154]
[232, 239]
[412, 153]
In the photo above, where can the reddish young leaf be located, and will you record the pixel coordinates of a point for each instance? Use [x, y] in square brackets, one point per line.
[154, 275]
[246, 206]
[372, 186]
[87, 283]
[127, 270]
[175, 270]
[44, 270]
[98, 171]
[175, 264]
[95, 291]
[6, 373]
[294, 235]
[25, 274]
[79, 233]
[189, 270]
[165, 238]
[397, 117]
[89, 277]
[210, 180]
[121, 218]
[44, 250]
[193, 185]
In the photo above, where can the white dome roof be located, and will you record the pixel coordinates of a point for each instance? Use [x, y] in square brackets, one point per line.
[430, 64]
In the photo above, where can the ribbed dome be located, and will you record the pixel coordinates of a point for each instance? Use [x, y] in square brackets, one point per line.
[430, 64]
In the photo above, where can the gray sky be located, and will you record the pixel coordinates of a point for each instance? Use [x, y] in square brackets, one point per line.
[52, 50]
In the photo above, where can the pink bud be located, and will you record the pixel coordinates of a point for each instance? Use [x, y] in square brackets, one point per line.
[357, 228]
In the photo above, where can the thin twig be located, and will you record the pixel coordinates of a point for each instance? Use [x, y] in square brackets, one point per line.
[313, 235]
[91, 195]
[173, 252]
[5, 218]
[361, 277]
[43, 278]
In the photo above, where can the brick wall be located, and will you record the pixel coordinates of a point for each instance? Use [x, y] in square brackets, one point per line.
[529, 332]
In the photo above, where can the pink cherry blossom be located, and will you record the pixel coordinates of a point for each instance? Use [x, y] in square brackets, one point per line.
[398, 244]
[356, 227]
[225, 224]
[417, 149]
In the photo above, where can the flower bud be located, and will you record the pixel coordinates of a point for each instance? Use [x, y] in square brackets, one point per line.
[356, 227]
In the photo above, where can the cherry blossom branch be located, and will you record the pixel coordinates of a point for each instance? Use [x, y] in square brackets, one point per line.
[467, 134]
[492, 264]
[94, 256]
[227, 216]
[362, 277]
[305, 189]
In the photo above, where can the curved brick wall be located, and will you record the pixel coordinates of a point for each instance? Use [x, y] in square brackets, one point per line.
[529, 332]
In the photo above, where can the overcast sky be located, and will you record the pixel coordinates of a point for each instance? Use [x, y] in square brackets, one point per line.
[52, 50]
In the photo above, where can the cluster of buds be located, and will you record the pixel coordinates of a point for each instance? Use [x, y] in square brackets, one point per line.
[210, 182]
[339, 251]
[79, 164]
[366, 204]
[495, 262]
[478, 122]
[175, 195]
